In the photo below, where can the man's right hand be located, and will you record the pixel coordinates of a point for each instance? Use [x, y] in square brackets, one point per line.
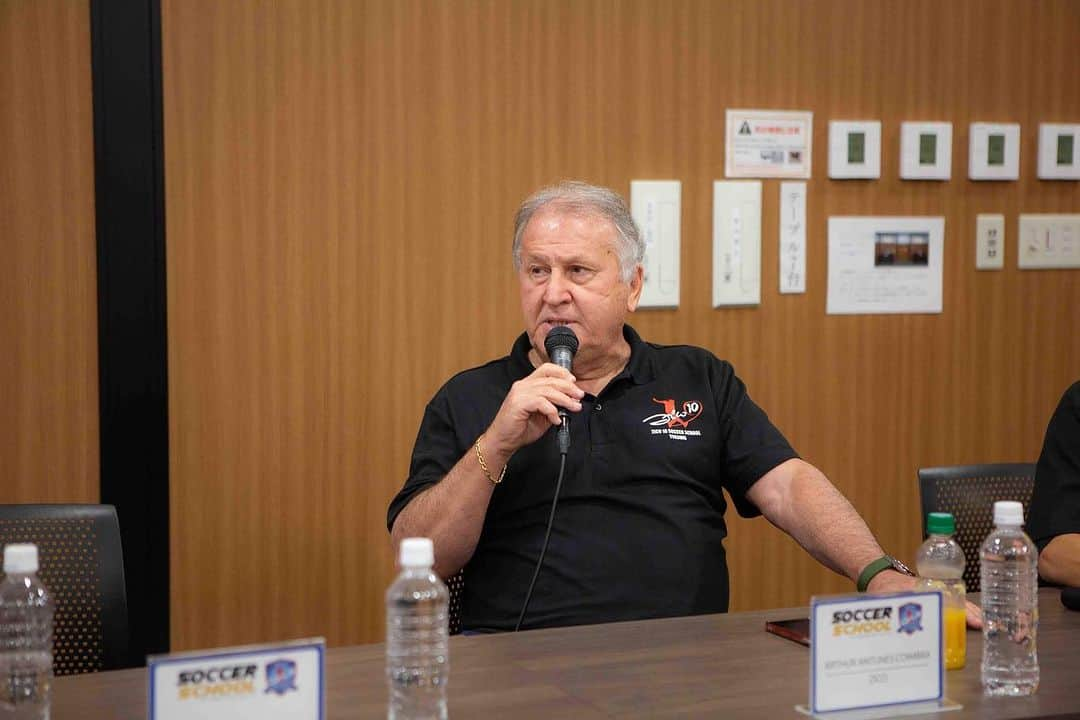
[531, 407]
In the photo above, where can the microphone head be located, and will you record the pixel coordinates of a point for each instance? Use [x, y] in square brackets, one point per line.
[1070, 597]
[560, 337]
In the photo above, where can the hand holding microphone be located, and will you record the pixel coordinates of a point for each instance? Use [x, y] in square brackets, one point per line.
[538, 401]
[561, 344]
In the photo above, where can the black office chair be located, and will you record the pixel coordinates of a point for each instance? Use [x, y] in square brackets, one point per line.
[82, 565]
[969, 493]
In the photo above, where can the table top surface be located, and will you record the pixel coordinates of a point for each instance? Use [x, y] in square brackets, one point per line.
[703, 666]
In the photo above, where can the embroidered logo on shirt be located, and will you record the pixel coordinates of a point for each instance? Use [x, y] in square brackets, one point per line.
[674, 421]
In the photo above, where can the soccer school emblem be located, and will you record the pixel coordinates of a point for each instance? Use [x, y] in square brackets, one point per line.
[910, 618]
[280, 676]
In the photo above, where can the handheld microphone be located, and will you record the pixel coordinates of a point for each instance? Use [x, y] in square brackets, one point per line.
[561, 343]
[1070, 598]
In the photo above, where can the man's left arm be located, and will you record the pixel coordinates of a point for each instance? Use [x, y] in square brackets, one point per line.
[797, 498]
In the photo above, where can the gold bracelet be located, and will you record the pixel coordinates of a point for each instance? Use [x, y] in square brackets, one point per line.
[483, 465]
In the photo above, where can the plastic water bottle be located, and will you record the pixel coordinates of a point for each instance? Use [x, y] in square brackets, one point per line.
[417, 630]
[940, 561]
[1010, 603]
[26, 621]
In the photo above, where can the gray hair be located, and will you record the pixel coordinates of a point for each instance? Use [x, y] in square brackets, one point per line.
[578, 198]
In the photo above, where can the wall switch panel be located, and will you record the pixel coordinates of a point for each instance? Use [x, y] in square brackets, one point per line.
[736, 243]
[989, 242]
[1048, 241]
[792, 237]
[655, 205]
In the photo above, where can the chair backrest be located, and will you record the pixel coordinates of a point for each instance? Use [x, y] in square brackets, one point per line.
[969, 493]
[82, 566]
[456, 585]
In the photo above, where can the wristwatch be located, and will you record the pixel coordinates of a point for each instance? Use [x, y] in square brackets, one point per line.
[885, 562]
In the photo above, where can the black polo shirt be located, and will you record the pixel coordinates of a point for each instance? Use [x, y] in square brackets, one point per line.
[640, 523]
[1055, 501]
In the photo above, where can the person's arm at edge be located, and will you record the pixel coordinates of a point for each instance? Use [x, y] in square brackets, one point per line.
[797, 498]
[1059, 561]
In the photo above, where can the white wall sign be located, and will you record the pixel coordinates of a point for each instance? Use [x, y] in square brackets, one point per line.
[267, 682]
[768, 144]
[1059, 151]
[926, 150]
[655, 206]
[792, 237]
[994, 151]
[854, 149]
[870, 651]
[885, 265]
[736, 243]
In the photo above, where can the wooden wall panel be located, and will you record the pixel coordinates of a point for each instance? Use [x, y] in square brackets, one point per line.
[48, 307]
[341, 180]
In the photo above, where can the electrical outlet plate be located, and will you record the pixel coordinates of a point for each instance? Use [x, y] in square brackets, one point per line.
[655, 205]
[1059, 151]
[925, 150]
[854, 149]
[994, 151]
[989, 242]
[1048, 241]
[736, 243]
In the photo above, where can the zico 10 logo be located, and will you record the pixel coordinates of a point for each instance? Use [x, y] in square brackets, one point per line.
[235, 680]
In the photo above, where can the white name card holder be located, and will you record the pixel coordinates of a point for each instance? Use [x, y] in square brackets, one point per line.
[253, 682]
[876, 656]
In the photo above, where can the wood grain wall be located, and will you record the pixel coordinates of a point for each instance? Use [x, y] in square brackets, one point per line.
[341, 179]
[48, 306]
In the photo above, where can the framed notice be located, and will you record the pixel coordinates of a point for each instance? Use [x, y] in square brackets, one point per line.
[768, 144]
[885, 265]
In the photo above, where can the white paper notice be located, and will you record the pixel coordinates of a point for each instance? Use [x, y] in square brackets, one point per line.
[792, 237]
[885, 265]
[768, 144]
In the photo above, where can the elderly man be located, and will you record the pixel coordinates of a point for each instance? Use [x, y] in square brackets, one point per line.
[656, 432]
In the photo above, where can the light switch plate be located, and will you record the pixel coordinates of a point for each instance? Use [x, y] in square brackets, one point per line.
[854, 149]
[1048, 241]
[994, 151]
[925, 150]
[655, 205]
[989, 242]
[736, 243]
[1059, 151]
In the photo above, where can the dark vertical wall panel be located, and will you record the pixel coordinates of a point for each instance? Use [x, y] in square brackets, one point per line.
[131, 302]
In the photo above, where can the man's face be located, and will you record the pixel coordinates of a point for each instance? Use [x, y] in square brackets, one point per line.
[570, 276]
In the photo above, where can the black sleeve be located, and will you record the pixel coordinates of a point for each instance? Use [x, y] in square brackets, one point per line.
[751, 444]
[435, 453]
[1055, 502]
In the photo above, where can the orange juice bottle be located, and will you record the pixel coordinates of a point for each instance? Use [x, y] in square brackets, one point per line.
[940, 562]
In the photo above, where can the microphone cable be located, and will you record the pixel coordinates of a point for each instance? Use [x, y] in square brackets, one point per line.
[547, 536]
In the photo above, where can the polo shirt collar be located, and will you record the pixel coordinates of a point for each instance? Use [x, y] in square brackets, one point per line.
[638, 370]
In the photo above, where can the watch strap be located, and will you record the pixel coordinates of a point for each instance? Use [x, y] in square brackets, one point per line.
[871, 571]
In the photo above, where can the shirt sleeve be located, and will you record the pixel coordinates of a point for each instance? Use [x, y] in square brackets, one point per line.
[752, 445]
[435, 453]
[1055, 501]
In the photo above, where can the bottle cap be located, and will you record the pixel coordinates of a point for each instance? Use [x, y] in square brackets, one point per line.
[1008, 512]
[20, 559]
[416, 553]
[938, 523]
